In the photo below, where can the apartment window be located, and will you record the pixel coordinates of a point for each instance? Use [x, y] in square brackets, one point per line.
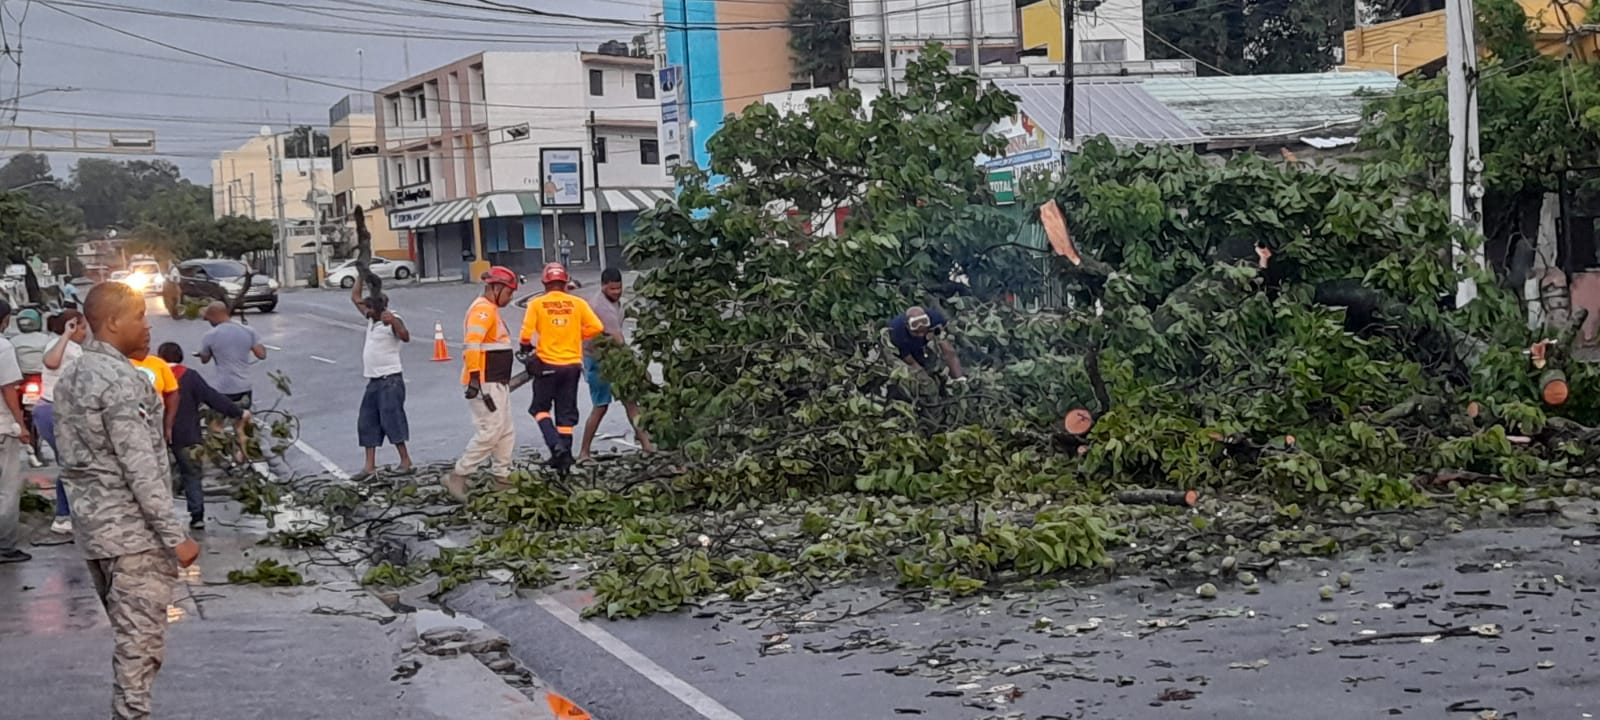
[477, 82]
[599, 149]
[419, 107]
[649, 152]
[597, 82]
[424, 170]
[394, 111]
[399, 172]
[338, 158]
[1104, 50]
[644, 86]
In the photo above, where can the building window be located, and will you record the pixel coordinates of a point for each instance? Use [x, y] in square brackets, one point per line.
[394, 111]
[649, 152]
[1104, 50]
[419, 107]
[424, 170]
[477, 82]
[644, 86]
[338, 158]
[399, 172]
[599, 149]
[597, 82]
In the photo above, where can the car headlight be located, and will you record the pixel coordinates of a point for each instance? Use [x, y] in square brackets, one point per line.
[271, 283]
[137, 282]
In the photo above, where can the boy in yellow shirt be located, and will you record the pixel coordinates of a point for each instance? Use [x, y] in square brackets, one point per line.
[559, 323]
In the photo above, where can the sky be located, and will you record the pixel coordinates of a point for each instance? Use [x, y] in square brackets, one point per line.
[198, 106]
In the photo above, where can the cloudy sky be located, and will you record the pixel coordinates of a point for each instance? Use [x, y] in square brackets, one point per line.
[143, 63]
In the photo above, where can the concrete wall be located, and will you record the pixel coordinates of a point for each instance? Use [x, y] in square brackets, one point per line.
[1114, 20]
[547, 91]
[359, 181]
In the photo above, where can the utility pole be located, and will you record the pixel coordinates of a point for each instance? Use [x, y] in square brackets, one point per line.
[282, 231]
[1069, 127]
[1466, 164]
[888, 64]
[316, 207]
[599, 221]
[480, 264]
[972, 36]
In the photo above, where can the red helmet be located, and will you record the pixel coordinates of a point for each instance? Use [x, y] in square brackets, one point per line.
[502, 276]
[555, 273]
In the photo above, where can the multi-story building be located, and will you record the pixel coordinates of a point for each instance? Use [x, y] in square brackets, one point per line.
[731, 55]
[1102, 32]
[523, 150]
[243, 183]
[353, 150]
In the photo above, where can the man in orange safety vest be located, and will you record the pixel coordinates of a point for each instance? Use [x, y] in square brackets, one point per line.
[489, 357]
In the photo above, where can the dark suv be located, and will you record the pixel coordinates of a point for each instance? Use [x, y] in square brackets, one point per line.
[217, 279]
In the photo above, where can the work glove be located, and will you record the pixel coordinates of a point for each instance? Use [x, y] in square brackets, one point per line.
[474, 389]
[524, 353]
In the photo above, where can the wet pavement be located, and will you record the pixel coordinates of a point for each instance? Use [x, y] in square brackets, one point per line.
[1485, 623]
[324, 650]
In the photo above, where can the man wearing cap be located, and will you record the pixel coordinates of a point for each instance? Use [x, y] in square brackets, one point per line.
[910, 332]
[488, 357]
[559, 322]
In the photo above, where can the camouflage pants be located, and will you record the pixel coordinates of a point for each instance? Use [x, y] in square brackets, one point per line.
[136, 590]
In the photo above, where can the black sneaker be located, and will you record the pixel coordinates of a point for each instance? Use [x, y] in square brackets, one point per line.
[197, 522]
[14, 556]
[561, 460]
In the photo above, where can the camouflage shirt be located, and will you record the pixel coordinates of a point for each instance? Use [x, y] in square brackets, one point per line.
[113, 456]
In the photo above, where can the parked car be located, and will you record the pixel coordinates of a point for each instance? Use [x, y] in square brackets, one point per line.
[345, 274]
[215, 279]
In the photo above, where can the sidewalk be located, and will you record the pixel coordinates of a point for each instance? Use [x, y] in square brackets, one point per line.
[324, 649]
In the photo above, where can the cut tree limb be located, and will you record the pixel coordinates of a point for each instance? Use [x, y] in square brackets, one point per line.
[1553, 388]
[1178, 498]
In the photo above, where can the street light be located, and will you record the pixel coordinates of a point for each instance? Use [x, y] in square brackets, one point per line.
[45, 91]
[36, 183]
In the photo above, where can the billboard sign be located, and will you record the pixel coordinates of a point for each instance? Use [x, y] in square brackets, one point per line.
[668, 81]
[562, 173]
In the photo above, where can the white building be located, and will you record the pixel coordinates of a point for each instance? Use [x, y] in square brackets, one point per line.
[529, 147]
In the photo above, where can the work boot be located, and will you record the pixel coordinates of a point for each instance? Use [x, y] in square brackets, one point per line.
[561, 460]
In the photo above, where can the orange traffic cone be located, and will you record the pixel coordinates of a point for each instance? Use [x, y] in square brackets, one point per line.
[441, 352]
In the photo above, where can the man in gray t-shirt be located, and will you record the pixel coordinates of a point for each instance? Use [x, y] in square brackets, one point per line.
[234, 348]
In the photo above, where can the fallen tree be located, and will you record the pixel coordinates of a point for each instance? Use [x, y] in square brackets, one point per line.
[1271, 336]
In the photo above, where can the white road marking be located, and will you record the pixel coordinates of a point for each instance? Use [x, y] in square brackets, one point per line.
[320, 358]
[436, 311]
[327, 464]
[273, 348]
[659, 676]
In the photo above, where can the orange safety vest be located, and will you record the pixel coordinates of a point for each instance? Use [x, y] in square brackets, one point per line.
[489, 353]
[562, 322]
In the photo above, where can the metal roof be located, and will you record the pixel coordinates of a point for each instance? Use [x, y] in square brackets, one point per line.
[1121, 111]
[1261, 106]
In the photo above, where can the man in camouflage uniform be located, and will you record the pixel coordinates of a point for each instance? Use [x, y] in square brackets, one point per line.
[109, 428]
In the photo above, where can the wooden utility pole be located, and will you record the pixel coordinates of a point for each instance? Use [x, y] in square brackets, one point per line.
[1466, 164]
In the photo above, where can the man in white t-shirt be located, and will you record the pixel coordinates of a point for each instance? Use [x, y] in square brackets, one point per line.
[13, 436]
[383, 405]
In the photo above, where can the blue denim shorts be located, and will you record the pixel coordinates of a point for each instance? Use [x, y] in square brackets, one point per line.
[383, 412]
[599, 389]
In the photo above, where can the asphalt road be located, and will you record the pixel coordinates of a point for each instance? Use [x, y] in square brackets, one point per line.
[1131, 649]
[315, 338]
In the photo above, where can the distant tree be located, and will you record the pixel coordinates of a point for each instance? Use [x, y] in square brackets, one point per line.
[26, 169]
[233, 236]
[819, 40]
[1249, 37]
[28, 228]
[109, 192]
[170, 224]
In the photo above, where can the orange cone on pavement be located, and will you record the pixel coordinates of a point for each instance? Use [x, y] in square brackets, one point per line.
[441, 352]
